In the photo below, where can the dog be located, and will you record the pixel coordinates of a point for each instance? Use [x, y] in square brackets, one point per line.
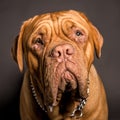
[61, 82]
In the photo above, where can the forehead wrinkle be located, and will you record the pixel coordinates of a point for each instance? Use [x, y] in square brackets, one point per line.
[34, 22]
[41, 23]
[60, 17]
[55, 20]
[46, 23]
[41, 20]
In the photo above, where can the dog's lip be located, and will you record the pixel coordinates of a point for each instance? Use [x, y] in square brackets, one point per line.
[58, 98]
[68, 80]
[71, 80]
[70, 87]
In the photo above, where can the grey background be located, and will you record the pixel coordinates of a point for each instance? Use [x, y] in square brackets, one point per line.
[104, 14]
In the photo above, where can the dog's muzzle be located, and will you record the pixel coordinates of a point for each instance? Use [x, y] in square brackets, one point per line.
[64, 73]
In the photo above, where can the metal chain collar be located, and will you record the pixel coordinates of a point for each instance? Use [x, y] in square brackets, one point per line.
[79, 108]
[36, 98]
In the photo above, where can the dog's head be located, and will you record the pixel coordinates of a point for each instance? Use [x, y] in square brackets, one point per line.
[58, 49]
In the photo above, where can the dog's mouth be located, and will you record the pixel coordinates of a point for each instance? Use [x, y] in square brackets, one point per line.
[70, 89]
[68, 83]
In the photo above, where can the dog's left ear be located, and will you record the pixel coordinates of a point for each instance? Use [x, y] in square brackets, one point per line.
[95, 35]
[97, 39]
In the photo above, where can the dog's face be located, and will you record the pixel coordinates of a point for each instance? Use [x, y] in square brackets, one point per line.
[58, 49]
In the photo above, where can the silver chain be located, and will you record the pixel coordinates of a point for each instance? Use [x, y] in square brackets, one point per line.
[35, 96]
[79, 108]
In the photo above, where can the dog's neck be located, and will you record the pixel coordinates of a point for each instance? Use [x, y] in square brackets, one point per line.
[77, 109]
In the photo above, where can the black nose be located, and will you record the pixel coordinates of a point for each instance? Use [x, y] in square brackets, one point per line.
[63, 51]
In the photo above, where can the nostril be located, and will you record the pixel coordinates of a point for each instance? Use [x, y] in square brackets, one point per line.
[56, 53]
[69, 51]
[62, 51]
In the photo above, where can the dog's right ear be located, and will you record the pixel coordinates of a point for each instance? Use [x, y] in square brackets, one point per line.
[17, 52]
[17, 48]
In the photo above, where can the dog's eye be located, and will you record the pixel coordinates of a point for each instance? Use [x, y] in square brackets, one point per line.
[39, 41]
[78, 33]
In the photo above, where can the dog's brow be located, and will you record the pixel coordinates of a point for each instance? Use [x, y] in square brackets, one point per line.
[55, 23]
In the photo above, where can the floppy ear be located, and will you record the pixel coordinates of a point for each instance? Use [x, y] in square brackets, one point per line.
[17, 52]
[17, 48]
[96, 36]
[97, 40]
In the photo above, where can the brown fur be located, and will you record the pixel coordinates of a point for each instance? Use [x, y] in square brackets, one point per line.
[57, 31]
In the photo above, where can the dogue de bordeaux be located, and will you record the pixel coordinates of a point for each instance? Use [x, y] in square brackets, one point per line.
[61, 82]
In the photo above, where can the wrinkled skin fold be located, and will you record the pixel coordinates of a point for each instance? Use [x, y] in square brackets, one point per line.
[65, 73]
